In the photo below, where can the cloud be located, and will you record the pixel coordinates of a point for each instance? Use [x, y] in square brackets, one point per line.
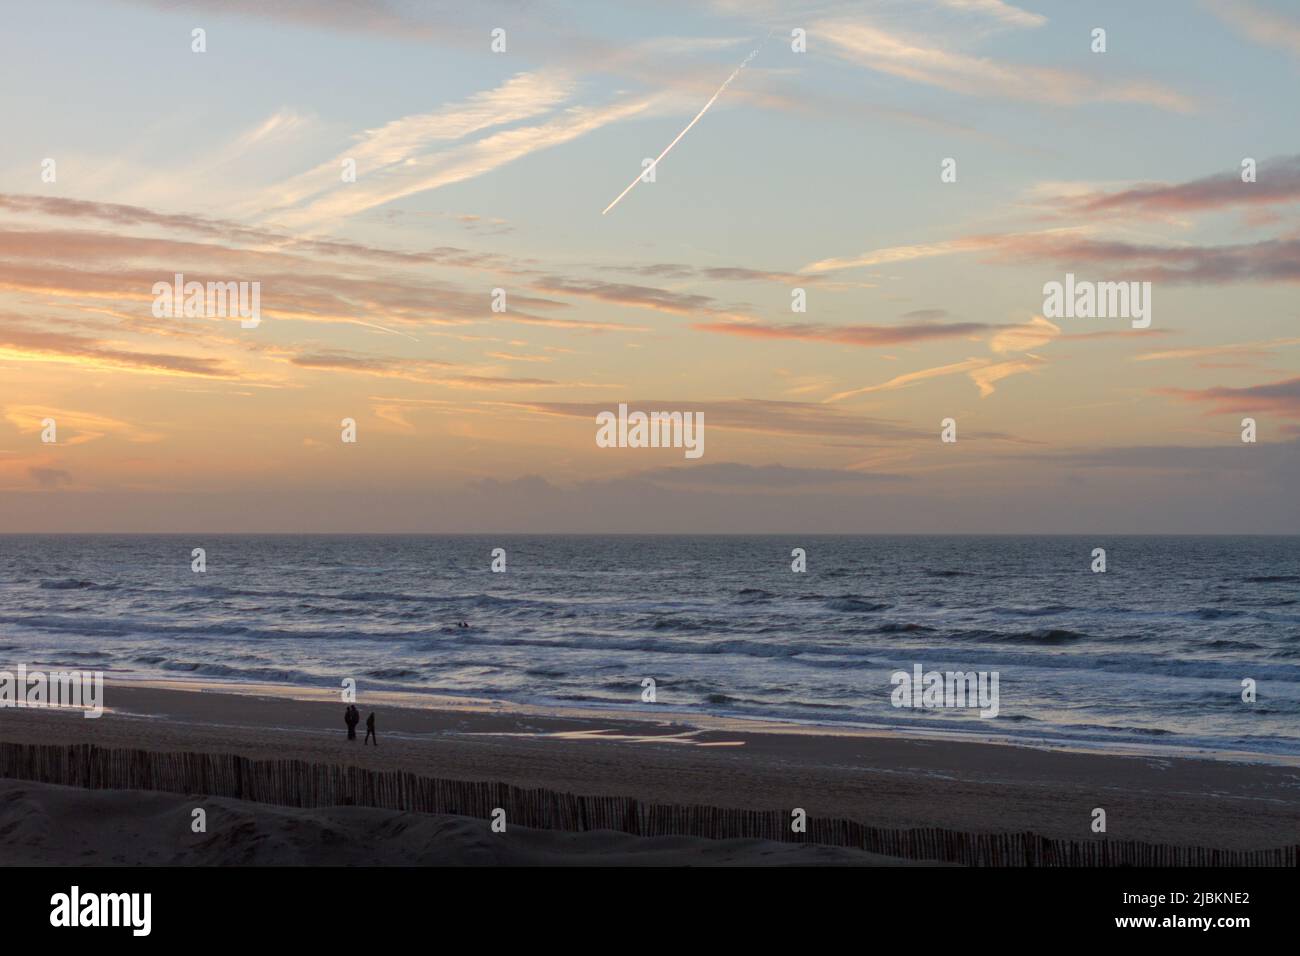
[740, 476]
[893, 254]
[1266, 27]
[911, 378]
[801, 419]
[63, 263]
[998, 10]
[1276, 459]
[866, 336]
[405, 140]
[1268, 260]
[304, 279]
[460, 163]
[22, 344]
[230, 231]
[984, 373]
[1278, 181]
[429, 371]
[75, 427]
[338, 359]
[1282, 398]
[636, 296]
[508, 357]
[679, 271]
[865, 45]
[1022, 338]
[985, 377]
[1253, 349]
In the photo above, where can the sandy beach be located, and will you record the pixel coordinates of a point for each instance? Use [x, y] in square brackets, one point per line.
[879, 780]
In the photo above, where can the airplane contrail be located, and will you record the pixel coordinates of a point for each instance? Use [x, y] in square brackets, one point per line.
[725, 84]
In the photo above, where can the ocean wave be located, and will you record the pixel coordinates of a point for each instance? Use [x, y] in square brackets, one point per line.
[1044, 636]
[392, 673]
[273, 675]
[479, 600]
[73, 584]
[1213, 613]
[851, 604]
[1139, 731]
[545, 672]
[653, 645]
[896, 627]
[687, 625]
[1044, 611]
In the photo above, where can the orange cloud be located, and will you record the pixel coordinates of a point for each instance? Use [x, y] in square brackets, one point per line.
[867, 336]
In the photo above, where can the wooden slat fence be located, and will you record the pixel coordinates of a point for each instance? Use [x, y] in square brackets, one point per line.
[297, 783]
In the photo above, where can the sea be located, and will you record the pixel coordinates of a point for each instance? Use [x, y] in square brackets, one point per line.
[1156, 652]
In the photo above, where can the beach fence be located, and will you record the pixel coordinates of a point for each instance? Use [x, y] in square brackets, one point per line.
[296, 783]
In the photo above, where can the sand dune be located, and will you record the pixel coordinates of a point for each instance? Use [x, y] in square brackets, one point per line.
[45, 825]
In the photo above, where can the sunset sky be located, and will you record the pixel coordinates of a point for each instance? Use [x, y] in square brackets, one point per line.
[820, 170]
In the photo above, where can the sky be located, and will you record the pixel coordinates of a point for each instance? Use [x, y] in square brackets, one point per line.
[847, 248]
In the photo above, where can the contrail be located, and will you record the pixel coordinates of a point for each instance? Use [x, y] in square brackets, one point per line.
[725, 84]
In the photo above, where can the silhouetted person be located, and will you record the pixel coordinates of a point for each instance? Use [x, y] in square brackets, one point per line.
[351, 717]
[370, 730]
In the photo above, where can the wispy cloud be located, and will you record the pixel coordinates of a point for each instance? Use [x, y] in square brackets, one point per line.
[911, 378]
[894, 254]
[1035, 333]
[998, 10]
[1268, 260]
[877, 49]
[867, 336]
[800, 419]
[636, 296]
[409, 168]
[983, 372]
[76, 427]
[1278, 181]
[1264, 26]
[985, 378]
[1253, 349]
[405, 140]
[36, 345]
[1281, 397]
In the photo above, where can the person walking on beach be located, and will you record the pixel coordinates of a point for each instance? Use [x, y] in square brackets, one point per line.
[370, 730]
[351, 717]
